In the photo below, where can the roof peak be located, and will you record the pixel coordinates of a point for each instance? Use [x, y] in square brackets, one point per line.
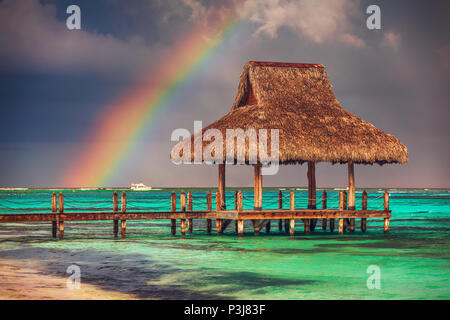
[284, 64]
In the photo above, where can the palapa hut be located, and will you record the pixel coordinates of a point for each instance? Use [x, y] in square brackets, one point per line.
[298, 100]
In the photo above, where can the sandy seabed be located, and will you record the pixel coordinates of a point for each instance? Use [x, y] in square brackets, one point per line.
[29, 283]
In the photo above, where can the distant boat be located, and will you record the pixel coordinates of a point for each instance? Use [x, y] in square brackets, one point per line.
[140, 187]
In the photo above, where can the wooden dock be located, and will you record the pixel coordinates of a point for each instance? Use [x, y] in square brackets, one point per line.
[260, 217]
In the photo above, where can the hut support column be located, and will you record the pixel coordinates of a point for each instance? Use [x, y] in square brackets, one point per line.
[280, 206]
[257, 194]
[240, 206]
[311, 194]
[218, 221]
[341, 207]
[364, 207]
[351, 193]
[324, 206]
[292, 208]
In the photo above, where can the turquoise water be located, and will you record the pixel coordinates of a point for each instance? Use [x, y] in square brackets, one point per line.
[413, 258]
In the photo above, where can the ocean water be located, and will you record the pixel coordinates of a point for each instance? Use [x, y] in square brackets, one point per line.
[413, 259]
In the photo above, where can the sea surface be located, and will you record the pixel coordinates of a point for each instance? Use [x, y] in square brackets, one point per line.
[412, 261]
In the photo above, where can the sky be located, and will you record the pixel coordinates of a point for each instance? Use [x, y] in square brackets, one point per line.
[57, 85]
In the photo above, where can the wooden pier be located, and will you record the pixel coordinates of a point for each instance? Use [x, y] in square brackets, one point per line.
[260, 217]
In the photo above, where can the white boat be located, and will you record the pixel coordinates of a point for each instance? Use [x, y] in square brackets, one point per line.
[140, 187]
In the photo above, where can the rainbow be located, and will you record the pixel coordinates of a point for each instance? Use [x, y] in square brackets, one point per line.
[123, 121]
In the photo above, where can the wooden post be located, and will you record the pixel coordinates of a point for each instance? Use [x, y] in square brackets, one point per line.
[311, 194]
[123, 207]
[236, 208]
[292, 208]
[345, 208]
[115, 209]
[341, 207]
[351, 192]
[386, 208]
[183, 211]
[189, 208]
[61, 211]
[209, 208]
[280, 206]
[324, 206]
[222, 187]
[218, 207]
[173, 208]
[54, 209]
[364, 207]
[240, 206]
[257, 187]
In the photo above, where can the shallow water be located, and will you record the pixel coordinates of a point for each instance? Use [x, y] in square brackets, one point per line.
[150, 263]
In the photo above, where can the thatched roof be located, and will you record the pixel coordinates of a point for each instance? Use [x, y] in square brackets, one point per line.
[298, 100]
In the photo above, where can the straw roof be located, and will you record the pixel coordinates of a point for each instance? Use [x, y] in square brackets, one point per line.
[298, 100]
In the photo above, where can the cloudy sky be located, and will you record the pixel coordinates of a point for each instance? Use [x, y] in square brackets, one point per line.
[56, 83]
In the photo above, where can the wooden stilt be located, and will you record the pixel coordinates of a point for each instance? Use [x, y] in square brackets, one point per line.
[123, 209]
[386, 208]
[364, 207]
[311, 192]
[240, 207]
[332, 221]
[209, 208]
[324, 206]
[345, 208]
[173, 208]
[222, 187]
[257, 187]
[190, 225]
[291, 228]
[341, 207]
[280, 206]
[115, 210]
[61, 210]
[307, 225]
[236, 208]
[54, 209]
[240, 224]
[218, 207]
[351, 193]
[183, 210]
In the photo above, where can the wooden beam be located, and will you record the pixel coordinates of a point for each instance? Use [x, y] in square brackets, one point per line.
[240, 207]
[311, 193]
[61, 211]
[351, 192]
[115, 210]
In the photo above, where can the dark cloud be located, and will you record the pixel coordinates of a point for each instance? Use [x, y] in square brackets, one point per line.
[55, 82]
